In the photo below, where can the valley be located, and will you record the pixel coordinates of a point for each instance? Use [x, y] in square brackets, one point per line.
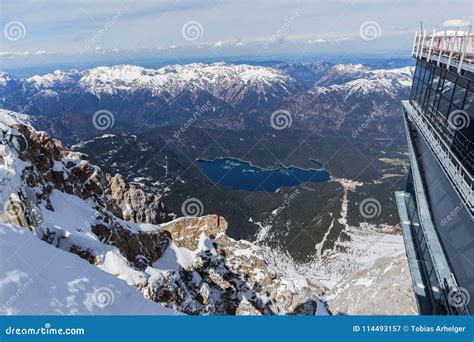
[208, 134]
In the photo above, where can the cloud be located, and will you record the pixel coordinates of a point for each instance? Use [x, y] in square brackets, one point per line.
[218, 45]
[455, 23]
[343, 39]
[221, 44]
[324, 41]
[43, 52]
[316, 41]
[10, 54]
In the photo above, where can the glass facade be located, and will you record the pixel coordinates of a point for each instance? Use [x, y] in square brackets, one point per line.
[436, 297]
[445, 99]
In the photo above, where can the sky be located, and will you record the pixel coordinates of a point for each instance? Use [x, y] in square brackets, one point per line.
[48, 32]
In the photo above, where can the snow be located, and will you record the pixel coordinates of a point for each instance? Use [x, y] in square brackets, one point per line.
[348, 80]
[8, 118]
[214, 78]
[175, 258]
[38, 279]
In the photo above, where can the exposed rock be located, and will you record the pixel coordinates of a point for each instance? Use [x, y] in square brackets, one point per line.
[187, 230]
[136, 205]
[141, 249]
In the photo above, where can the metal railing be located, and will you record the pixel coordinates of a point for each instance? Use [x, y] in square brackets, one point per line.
[452, 48]
[460, 177]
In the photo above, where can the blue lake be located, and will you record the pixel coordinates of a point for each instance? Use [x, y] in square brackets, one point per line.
[241, 175]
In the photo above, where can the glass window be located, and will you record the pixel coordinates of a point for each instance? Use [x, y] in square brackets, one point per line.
[469, 104]
[434, 84]
[448, 89]
[417, 71]
[458, 97]
[468, 131]
[415, 86]
[431, 98]
[443, 107]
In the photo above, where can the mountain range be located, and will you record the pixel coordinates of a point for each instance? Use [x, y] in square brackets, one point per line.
[236, 95]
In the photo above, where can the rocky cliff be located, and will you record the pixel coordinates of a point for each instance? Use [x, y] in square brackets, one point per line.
[188, 264]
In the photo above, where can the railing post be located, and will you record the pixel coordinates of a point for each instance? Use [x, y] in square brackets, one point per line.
[414, 44]
[464, 47]
[451, 50]
[420, 45]
[441, 48]
[431, 45]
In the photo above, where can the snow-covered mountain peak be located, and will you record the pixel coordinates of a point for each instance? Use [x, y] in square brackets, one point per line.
[216, 78]
[57, 78]
[349, 68]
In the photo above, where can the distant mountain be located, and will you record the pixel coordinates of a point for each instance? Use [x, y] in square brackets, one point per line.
[319, 96]
[349, 98]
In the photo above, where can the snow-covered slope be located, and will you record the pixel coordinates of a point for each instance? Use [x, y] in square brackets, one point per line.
[382, 289]
[38, 279]
[342, 73]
